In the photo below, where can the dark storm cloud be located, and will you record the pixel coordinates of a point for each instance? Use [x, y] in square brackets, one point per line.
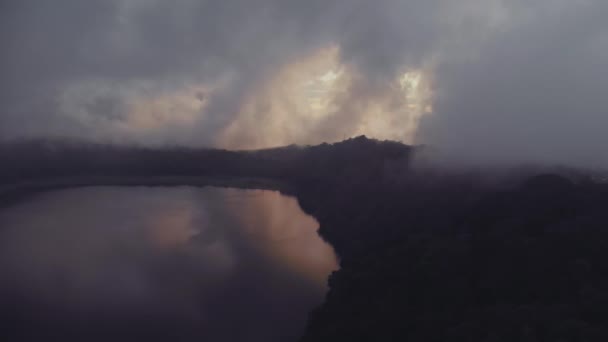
[381, 36]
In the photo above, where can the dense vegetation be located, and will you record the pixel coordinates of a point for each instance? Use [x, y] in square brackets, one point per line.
[426, 255]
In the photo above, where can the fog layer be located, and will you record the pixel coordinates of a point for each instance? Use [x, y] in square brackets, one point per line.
[481, 80]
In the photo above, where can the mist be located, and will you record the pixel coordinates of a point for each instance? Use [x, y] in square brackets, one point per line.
[480, 81]
[533, 93]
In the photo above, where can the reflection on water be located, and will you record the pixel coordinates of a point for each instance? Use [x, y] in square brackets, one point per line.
[282, 233]
[160, 263]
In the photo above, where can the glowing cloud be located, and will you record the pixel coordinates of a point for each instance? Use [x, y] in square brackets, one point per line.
[318, 98]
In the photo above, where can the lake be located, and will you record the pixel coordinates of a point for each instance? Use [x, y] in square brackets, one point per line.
[175, 264]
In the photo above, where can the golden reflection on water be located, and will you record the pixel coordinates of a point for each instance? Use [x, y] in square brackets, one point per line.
[283, 232]
[208, 224]
[273, 224]
[172, 227]
[207, 260]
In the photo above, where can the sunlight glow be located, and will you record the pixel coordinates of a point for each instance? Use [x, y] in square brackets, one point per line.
[321, 99]
[316, 98]
[181, 107]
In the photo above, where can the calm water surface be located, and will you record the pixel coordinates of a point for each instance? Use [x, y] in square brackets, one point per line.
[175, 264]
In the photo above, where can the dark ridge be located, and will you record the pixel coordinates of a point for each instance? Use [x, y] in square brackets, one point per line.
[426, 255]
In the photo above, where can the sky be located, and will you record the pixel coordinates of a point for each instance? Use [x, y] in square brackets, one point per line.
[479, 80]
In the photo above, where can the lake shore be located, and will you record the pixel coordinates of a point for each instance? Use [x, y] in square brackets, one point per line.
[15, 193]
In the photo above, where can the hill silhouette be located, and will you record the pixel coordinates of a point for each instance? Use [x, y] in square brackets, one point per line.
[426, 254]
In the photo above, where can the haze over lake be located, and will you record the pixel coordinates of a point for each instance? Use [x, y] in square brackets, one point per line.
[183, 263]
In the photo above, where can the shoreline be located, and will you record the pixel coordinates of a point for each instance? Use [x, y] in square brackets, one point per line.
[15, 193]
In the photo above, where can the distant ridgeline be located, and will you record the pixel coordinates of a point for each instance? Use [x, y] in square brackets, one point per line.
[426, 254]
[356, 158]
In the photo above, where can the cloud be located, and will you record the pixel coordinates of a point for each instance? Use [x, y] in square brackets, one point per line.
[67, 61]
[506, 80]
[533, 92]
